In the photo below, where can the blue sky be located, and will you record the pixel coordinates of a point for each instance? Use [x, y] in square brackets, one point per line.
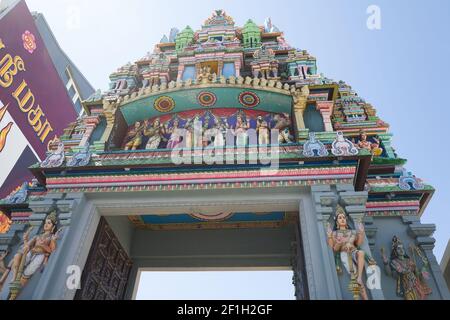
[401, 69]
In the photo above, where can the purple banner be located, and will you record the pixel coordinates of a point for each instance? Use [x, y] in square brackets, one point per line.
[30, 87]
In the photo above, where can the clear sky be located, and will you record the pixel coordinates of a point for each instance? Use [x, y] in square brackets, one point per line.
[401, 69]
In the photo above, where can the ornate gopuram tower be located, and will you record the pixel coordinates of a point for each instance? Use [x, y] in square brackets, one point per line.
[224, 148]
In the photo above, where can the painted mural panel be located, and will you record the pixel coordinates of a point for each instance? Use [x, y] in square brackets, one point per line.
[209, 128]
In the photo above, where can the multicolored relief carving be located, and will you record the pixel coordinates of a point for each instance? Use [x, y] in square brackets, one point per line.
[221, 86]
[342, 146]
[373, 147]
[346, 244]
[155, 133]
[409, 182]
[19, 195]
[81, 158]
[134, 137]
[314, 147]
[411, 282]
[32, 257]
[55, 159]
[177, 130]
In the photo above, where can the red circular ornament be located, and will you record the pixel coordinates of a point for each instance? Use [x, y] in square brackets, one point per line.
[249, 99]
[206, 99]
[164, 104]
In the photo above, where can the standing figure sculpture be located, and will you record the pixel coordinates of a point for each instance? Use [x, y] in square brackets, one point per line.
[193, 132]
[410, 282]
[240, 131]
[345, 243]
[262, 128]
[156, 133]
[33, 255]
[134, 137]
[176, 135]
[220, 131]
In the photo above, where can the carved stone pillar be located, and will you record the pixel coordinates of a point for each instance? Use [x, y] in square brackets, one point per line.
[326, 109]
[323, 199]
[237, 67]
[90, 123]
[219, 69]
[180, 72]
[109, 110]
[300, 102]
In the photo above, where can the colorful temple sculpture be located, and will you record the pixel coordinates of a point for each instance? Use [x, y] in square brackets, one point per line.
[223, 148]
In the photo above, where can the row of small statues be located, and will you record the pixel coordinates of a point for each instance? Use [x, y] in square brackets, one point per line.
[183, 136]
[346, 243]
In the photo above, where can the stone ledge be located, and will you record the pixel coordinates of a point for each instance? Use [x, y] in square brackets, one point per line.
[418, 230]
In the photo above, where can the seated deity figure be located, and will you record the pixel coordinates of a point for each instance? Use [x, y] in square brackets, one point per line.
[205, 75]
[156, 133]
[34, 254]
[411, 283]
[262, 128]
[345, 243]
[373, 148]
[134, 137]
[240, 131]
[176, 135]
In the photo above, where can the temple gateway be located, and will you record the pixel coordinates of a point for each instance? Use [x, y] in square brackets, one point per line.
[223, 148]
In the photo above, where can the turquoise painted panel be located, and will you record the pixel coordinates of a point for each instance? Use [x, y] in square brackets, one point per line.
[313, 119]
[187, 100]
[237, 217]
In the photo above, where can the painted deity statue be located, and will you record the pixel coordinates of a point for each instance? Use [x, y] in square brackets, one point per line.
[411, 283]
[220, 131]
[345, 243]
[33, 255]
[240, 131]
[205, 75]
[283, 123]
[134, 137]
[193, 139]
[372, 147]
[156, 133]
[262, 128]
[176, 135]
[5, 223]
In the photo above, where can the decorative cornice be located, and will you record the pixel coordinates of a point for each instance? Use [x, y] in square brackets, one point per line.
[193, 186]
